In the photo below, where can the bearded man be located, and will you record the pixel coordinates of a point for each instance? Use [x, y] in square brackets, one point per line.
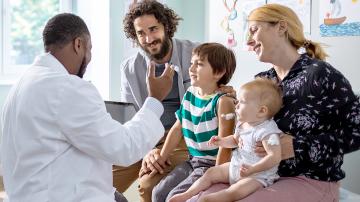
[151, 25]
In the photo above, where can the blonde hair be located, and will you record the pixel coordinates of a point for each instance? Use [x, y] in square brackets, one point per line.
[273, 13]
[270, 94]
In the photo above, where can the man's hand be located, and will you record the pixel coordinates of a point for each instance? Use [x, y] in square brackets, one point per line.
[287, 150]
[159, 87]
[153, 163]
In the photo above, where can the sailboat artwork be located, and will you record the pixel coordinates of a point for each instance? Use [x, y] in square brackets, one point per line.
[331, 18]
[334, 21]
[340, 18]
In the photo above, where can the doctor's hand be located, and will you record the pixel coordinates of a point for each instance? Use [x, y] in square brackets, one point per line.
[153, 163]
[159, 87]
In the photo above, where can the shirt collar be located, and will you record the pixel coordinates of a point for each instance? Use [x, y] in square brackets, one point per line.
[48, 60]
[303, 61]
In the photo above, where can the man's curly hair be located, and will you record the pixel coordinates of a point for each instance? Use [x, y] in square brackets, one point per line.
[162, 13]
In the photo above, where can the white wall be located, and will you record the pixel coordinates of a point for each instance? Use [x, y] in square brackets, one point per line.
[344, 55]
[96, 16]
[344, 51]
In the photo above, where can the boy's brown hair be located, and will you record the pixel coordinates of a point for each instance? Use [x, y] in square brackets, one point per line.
[221, 59]
[270, 94]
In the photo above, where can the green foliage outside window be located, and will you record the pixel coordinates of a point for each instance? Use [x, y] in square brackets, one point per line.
[28, 18]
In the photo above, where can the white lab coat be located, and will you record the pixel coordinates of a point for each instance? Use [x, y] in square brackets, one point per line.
[59, 143]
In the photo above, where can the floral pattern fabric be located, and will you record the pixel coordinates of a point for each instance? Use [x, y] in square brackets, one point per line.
[322, 113]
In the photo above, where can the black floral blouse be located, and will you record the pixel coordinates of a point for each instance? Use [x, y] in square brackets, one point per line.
[322, 112]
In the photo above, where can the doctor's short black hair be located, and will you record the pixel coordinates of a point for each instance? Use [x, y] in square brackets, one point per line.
[162, 13]
[62, 29]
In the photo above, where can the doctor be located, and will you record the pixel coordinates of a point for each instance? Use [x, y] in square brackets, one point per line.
[59, 143]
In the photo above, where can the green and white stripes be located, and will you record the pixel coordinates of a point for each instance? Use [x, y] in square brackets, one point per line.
[199, 123]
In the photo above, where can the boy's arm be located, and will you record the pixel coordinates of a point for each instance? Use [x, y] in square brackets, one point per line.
[226, 127]
[273, 157]
[172, 140]
[157, 163]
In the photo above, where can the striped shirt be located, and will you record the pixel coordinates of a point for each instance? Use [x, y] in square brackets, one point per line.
[198, 118]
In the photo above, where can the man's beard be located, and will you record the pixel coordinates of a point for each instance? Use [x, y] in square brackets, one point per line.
[164, 49]
[82, 69]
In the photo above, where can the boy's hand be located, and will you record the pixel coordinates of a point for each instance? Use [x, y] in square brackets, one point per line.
[214, 140]
[153, 163]
[164, 162]
[246, 170]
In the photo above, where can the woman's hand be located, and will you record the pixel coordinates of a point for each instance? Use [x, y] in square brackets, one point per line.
[240, 142]
[228, 90]
[287, 150]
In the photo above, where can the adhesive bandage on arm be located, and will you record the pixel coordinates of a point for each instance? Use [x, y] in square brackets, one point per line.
[228, 116]
[273, 139]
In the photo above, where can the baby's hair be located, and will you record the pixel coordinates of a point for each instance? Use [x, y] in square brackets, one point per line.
[221, 59]
[270, 94]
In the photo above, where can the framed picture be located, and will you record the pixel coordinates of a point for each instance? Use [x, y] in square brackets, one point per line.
[339, 18]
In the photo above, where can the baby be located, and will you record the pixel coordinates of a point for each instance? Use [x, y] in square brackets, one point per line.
[258, 102]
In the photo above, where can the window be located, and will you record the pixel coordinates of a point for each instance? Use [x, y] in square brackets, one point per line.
[22, 22]
[21, 26]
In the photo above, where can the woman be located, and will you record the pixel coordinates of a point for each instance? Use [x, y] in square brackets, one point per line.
[320, 114]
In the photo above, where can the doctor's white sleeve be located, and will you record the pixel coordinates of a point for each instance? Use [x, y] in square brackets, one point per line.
[87, 126]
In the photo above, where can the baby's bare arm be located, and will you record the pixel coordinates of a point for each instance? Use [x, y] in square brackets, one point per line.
[272, 157]
[227, 142]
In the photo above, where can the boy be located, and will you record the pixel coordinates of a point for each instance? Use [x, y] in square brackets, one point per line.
[212, 65]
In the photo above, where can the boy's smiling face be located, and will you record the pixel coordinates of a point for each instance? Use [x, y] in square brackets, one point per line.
[201, 73]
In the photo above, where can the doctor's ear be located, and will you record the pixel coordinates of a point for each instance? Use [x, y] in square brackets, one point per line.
[77, 43]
